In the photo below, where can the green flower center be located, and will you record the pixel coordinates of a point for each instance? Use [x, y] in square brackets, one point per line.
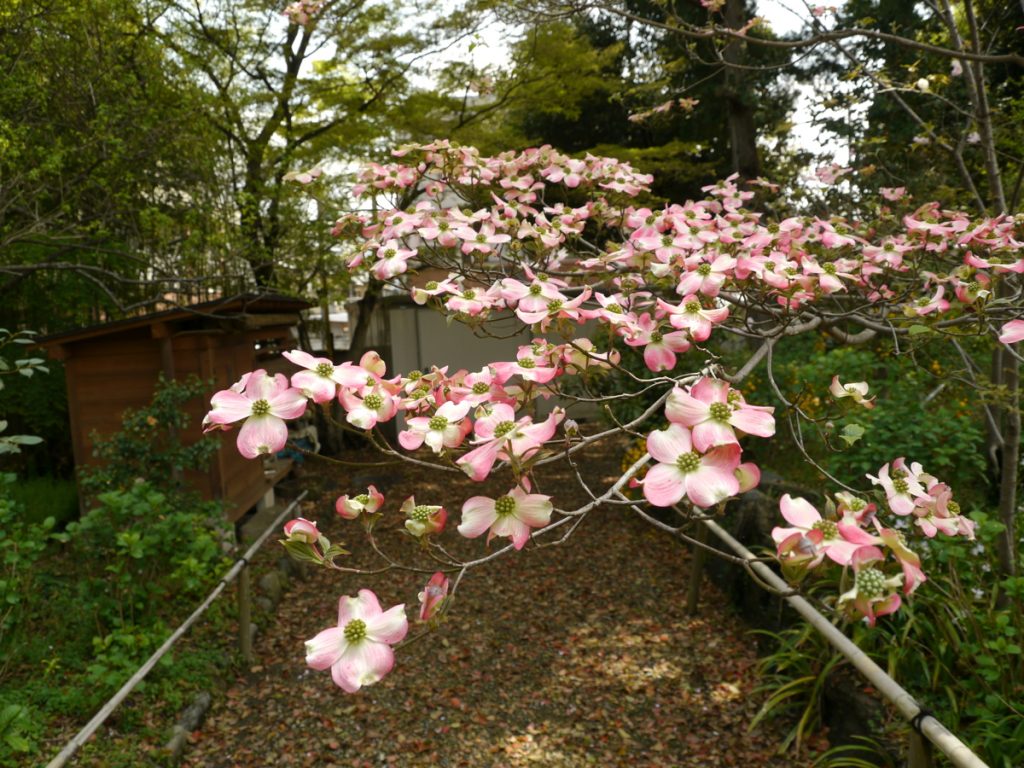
[554, 306]
[415, 375]
[504, 506]
[438, 423]
[504, 428]
[469, 293]
[260, 408]
[324, 369]
[527, 362]
[688, 462]
[431, 285]
[953, 507]
[389, 253]
[870, 583]
[373, 402]
[733, 397]
[443, 226]
[828, 529]
[481, 238]
[615, 309]
[773, 228]
[363, 498]
[692, 307]
[656, 337]
[420, 392]
[355, 630]
[481, 387]
[666, 240]
[900, 485]
[829, 269]
[704, 270]
[543, 277]
[856, 505]
[421, 513]
[535, 290]
[769, 265]
[720, 411]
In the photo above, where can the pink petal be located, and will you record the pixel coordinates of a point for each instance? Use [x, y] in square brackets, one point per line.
[711, 433]
[324, 649]
[478, 462]
[262, 434]
[228, 407]
[710, 485]
[664, 485]
[753, 422]
[709, 390]
[314, 386]
[410, 440]
[798, 511]
[513, 528]
[658, 357]
[534, 509]
[362, 663]
[683, 409]
[1012, 332]
[289, 404]
[667, 445]
[389, 627]
[303, 359]
[477, 516]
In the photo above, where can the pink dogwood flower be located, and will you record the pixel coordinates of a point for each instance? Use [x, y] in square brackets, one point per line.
[319, 382]
[303, 530]
[433, 596]
[447, 428]
[499, 435]
[351, 507]
[423, 519]
[364, 412]
[712, 409]
[902, 486]
[705, 479]
[838, 540]
[264, 402]
[358, 650]
[873, 593]
[511, 515]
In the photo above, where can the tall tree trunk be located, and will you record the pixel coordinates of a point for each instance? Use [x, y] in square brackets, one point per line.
[740, 112]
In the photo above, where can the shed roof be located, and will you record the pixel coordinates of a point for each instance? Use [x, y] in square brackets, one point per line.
[228, 308]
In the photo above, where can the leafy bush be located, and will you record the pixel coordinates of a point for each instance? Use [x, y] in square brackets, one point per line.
[148, 550]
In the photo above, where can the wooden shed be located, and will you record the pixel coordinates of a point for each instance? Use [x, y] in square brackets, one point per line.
[115, 366]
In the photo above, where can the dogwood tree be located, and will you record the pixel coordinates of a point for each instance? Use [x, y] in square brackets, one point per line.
[564, 245]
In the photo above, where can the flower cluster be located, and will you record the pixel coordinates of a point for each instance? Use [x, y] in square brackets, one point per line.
[560, 244]
[699, 452]
[854, 536]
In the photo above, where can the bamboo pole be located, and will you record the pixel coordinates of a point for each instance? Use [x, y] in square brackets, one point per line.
[927, 726]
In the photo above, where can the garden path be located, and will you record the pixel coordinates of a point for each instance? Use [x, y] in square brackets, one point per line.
[577, 655]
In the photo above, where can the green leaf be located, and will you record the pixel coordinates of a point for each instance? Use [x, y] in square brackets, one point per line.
[852, 433]
[917, 330]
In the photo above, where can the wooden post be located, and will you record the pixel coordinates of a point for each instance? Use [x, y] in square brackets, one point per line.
[245, 614]
[696, 569]
[921, 755]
